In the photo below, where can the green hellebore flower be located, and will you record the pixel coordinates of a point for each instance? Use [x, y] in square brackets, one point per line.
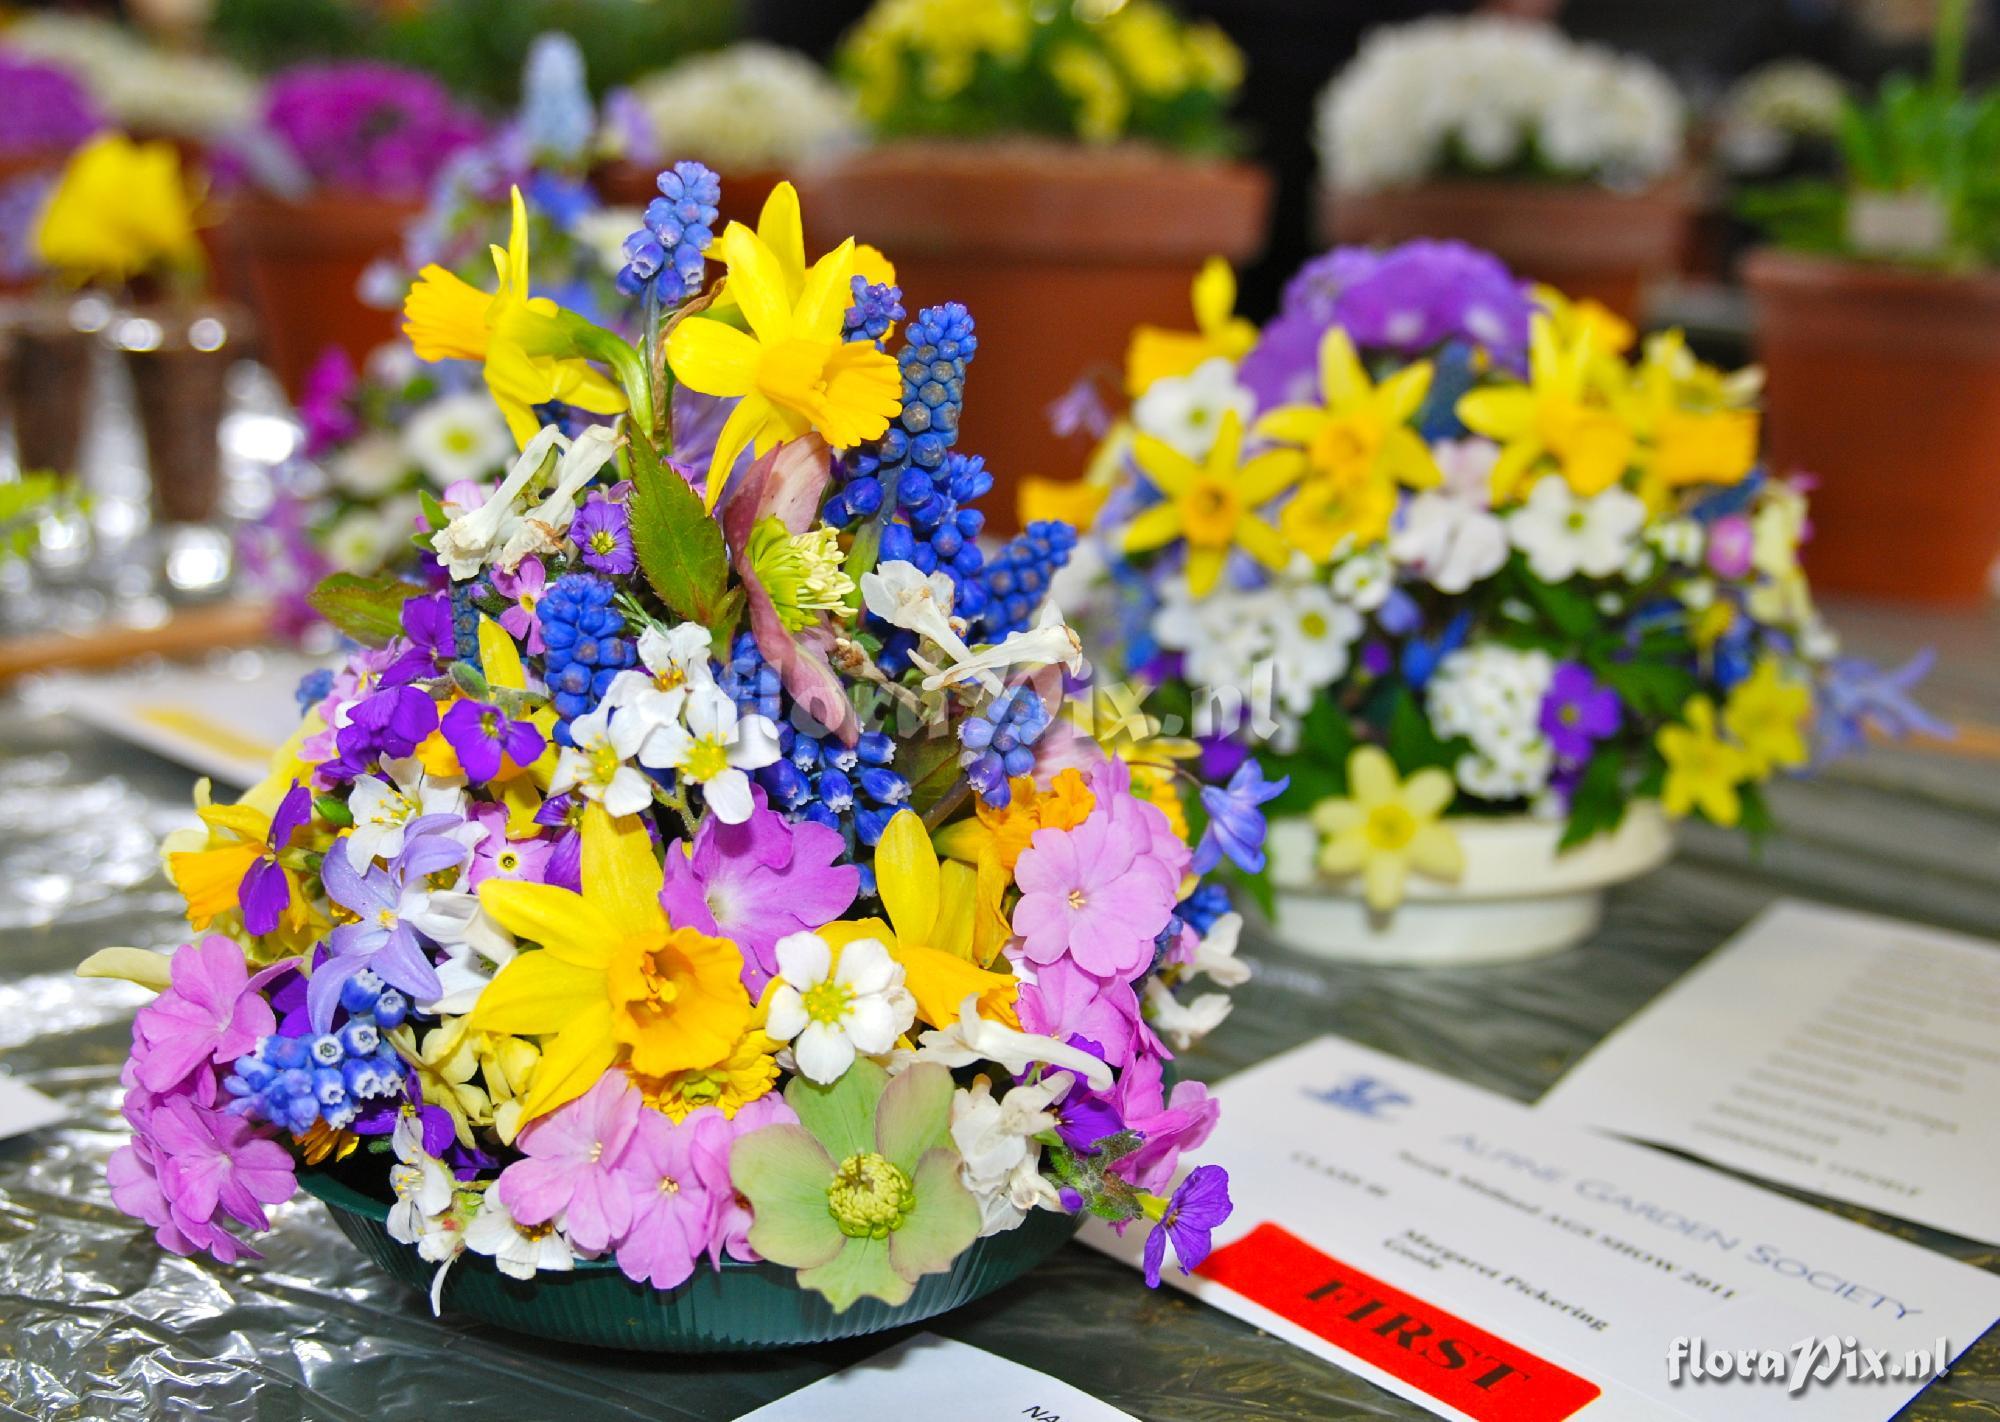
[801, 572]
[863, 1196]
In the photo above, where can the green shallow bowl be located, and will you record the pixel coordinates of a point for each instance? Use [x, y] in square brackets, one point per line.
[739, 1306]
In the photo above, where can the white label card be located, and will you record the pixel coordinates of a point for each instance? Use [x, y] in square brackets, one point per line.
[1490, 1261]
[1853, 1056]
[24, 1109]
[932, 1377]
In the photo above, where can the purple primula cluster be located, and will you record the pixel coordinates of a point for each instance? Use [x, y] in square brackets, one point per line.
[365, 127]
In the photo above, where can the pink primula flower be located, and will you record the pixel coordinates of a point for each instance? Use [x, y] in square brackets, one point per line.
[572, 1165]
[193, 1162]
[671, 1209]
[715, 1134]
[208, 1015]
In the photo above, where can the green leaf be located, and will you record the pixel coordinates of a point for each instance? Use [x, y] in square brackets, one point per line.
[1319, 770]
[1757, 821]
[931, 767]
[370, 610]
[1412, 744]
[1655, 690]
[1565, 605]
[470, 681]
[1598, 804]
[679, 547]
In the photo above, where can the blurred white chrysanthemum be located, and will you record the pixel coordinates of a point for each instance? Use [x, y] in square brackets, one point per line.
[747, 108]
[1494, 95]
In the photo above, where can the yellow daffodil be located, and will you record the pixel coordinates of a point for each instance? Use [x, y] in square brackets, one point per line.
[1767, 713]
[1609, 333]
[1156, 353]
[781, 227]
[1003, 833]
[528, 349]
[934, 927]
[1691, 421]
[1212, 506]
[1703, 770]
[1352, 451]
[1073, 501]
[1387, 827]
[613, 980]
[120, 209]
[792, 372]
[748, 1072]
[1558, 419]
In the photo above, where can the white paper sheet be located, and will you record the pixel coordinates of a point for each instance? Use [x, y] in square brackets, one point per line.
[1854, 1056]
[224, 718]
[938, 1378]
[1493, 1262]
[24, 1109]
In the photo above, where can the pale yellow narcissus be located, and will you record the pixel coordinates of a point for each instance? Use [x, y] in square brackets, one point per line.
[528, 356]
[613, 980]
[1157, 353]
[1212, 506]
[1767, 713]
[1385, 827]
[1559, 419]
[791, 373]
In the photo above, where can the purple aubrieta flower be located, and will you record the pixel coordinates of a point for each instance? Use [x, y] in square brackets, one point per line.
[431, 640]
[564, 867]
[368, 127]
[392, 723]
[47, 110]
[602, 533]
[1235, 827]
[266, 890]
[326, 405]
[486, 740]
[1200, 1205]
[384, 938]
[1578, 711]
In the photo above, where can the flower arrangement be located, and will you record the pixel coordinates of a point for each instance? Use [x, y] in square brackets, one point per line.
[48, 114]
[748, 108]
[366, 128]
[141, 87]
[1498, 98]
[734, 894]
[1918, 184]
[946, 69]
[1435, 545]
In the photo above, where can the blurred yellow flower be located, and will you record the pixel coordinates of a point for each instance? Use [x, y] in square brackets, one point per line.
[1559, 418]
[1385, 827]
[120, 209]
[1768, 713]
[1212, 506]
[1703, 770]
[527, 349]
[1102, 104]
[1156, 353]
[791, 372]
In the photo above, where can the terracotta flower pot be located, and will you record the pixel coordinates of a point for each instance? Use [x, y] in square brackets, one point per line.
[48, 384]
[179, 359]
[1059, 251]
[1585, 240]
[301, 262]
[1884, 384]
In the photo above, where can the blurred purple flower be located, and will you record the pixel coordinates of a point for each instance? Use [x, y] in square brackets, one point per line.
[370, 128]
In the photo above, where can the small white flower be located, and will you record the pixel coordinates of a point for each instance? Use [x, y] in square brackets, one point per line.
[712, 746]
[1564, 535]
[1679, 540]
[383, 809]
[425, 1193]
[1215, 955]
[470, 541]
[1310, 632]
[1492, 696]
[1000, 1158]
[677, 656]
[360, 540]
[973, 1038]
[903, 595]
[1448, 535]
[369, 467]
[1223, 635]
[1183, 1023]
[1185, 411]
[830, 1014]
[1052, 640]
[457, 437]
[519, 1251]
[1365, 580]
[600, 762]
